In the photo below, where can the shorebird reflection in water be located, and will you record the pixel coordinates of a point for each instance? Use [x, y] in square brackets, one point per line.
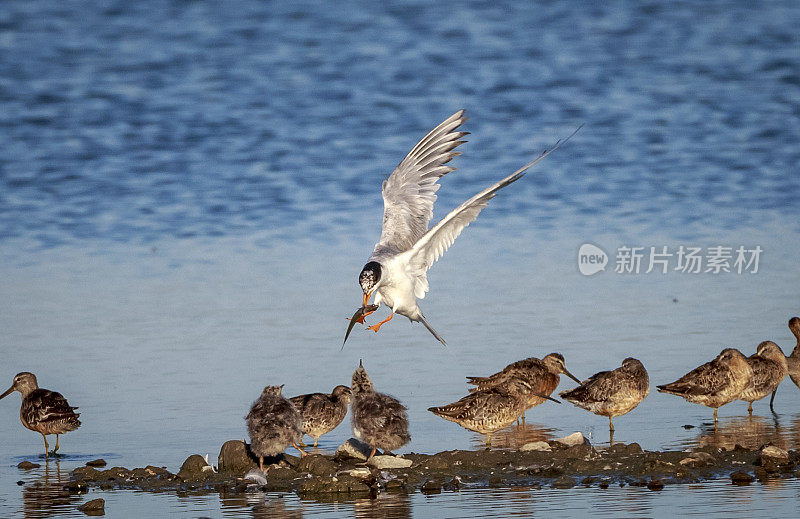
[612, 393]
[379, 420]
[397, 269]
[769, 368]
[322, 412]
[273, 424]
[42, 410]
[715, 383]
[542, 376]
[488, 410]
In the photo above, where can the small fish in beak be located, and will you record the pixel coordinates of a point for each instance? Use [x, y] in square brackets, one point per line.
[358, 317]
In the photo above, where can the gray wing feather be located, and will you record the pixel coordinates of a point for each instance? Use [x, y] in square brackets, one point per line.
[410, 191]
[439, 238]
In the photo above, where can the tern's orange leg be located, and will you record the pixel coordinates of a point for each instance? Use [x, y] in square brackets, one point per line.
[376, 327]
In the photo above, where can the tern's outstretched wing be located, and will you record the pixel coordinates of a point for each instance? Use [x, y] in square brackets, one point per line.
[410, 191]
[439, 238]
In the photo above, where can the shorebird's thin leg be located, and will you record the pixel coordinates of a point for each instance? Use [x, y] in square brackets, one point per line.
[715, 417]
[610, 424]
[523, 417]
[261, 463]
[489, 439]
[316, 440]
[46, 446]
[303, 453]
[371, 454]
[56, 449]
[301, 443]
[750, 409]
[376, 327]
[772, 399]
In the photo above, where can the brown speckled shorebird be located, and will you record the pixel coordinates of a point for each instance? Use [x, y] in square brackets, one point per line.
[542, 375]
[612, 393]
[273, 424]
[793, 360]
[715, 383]
[769, 368]
[379, 420]
[321, 412]
[42, 410]
[488, 410]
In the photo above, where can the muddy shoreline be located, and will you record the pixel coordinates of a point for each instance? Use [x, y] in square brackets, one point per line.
[541, 465]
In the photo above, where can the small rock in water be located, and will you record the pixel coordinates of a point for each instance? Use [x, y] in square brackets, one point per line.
[770, 451]
[360, 473]
[96, 463]
[655, 484]
[741, 478]
[234, 457]
[687, 426]
[193, 467]
[352, 448]
[257, 477]
[95, 507]
[564, 481]
[573, 439]
[389, 462]
[27, 465]
[536, 446]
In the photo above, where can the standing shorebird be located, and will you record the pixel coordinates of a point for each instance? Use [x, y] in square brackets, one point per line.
[793, 360]
[42, 410]
[321, 412]
[612, 393]
[397, 268]
[491, 409]
[273, 424]
[542, 376]
[769, 368]
[715, 383]
[379, 420]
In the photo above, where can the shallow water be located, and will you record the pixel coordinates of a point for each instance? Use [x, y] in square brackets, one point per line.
[188, 193]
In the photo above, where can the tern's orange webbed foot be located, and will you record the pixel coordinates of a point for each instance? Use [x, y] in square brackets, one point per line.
[376, 327]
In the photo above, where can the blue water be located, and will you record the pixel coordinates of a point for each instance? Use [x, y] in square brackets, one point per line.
[188, 191]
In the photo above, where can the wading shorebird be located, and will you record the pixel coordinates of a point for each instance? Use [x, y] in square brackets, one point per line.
[542, 376]
[769, 368]
[793, 360]
[273, 424]
[715, 383]
[488, 410]
[321, 412]
[397, 269]
[379, 420]
[42, 410]
[612, 393]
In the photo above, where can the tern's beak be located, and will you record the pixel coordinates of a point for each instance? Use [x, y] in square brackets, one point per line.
[8, 392]
[366, 297]
[546, 398]
[570, 375]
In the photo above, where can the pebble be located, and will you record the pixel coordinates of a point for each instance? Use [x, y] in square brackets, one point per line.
[770, 451]
[96, 463]
[93, 506]
[742, 478]
[354, 449]
[536, 446]
[389, 462]
[27, 465]
[573, 439]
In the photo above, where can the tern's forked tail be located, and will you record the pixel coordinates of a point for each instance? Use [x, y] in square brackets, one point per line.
[439, 338]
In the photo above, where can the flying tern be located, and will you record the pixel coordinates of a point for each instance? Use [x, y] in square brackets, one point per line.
[396, 272]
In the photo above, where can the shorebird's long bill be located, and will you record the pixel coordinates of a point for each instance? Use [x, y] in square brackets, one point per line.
[570, 375]
[8, 392]
[546, 398]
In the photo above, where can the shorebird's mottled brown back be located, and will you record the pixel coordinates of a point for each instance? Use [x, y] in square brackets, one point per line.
[612, 393]
[714, 383]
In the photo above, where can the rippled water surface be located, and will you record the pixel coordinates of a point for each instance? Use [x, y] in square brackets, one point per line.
[188, 191]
